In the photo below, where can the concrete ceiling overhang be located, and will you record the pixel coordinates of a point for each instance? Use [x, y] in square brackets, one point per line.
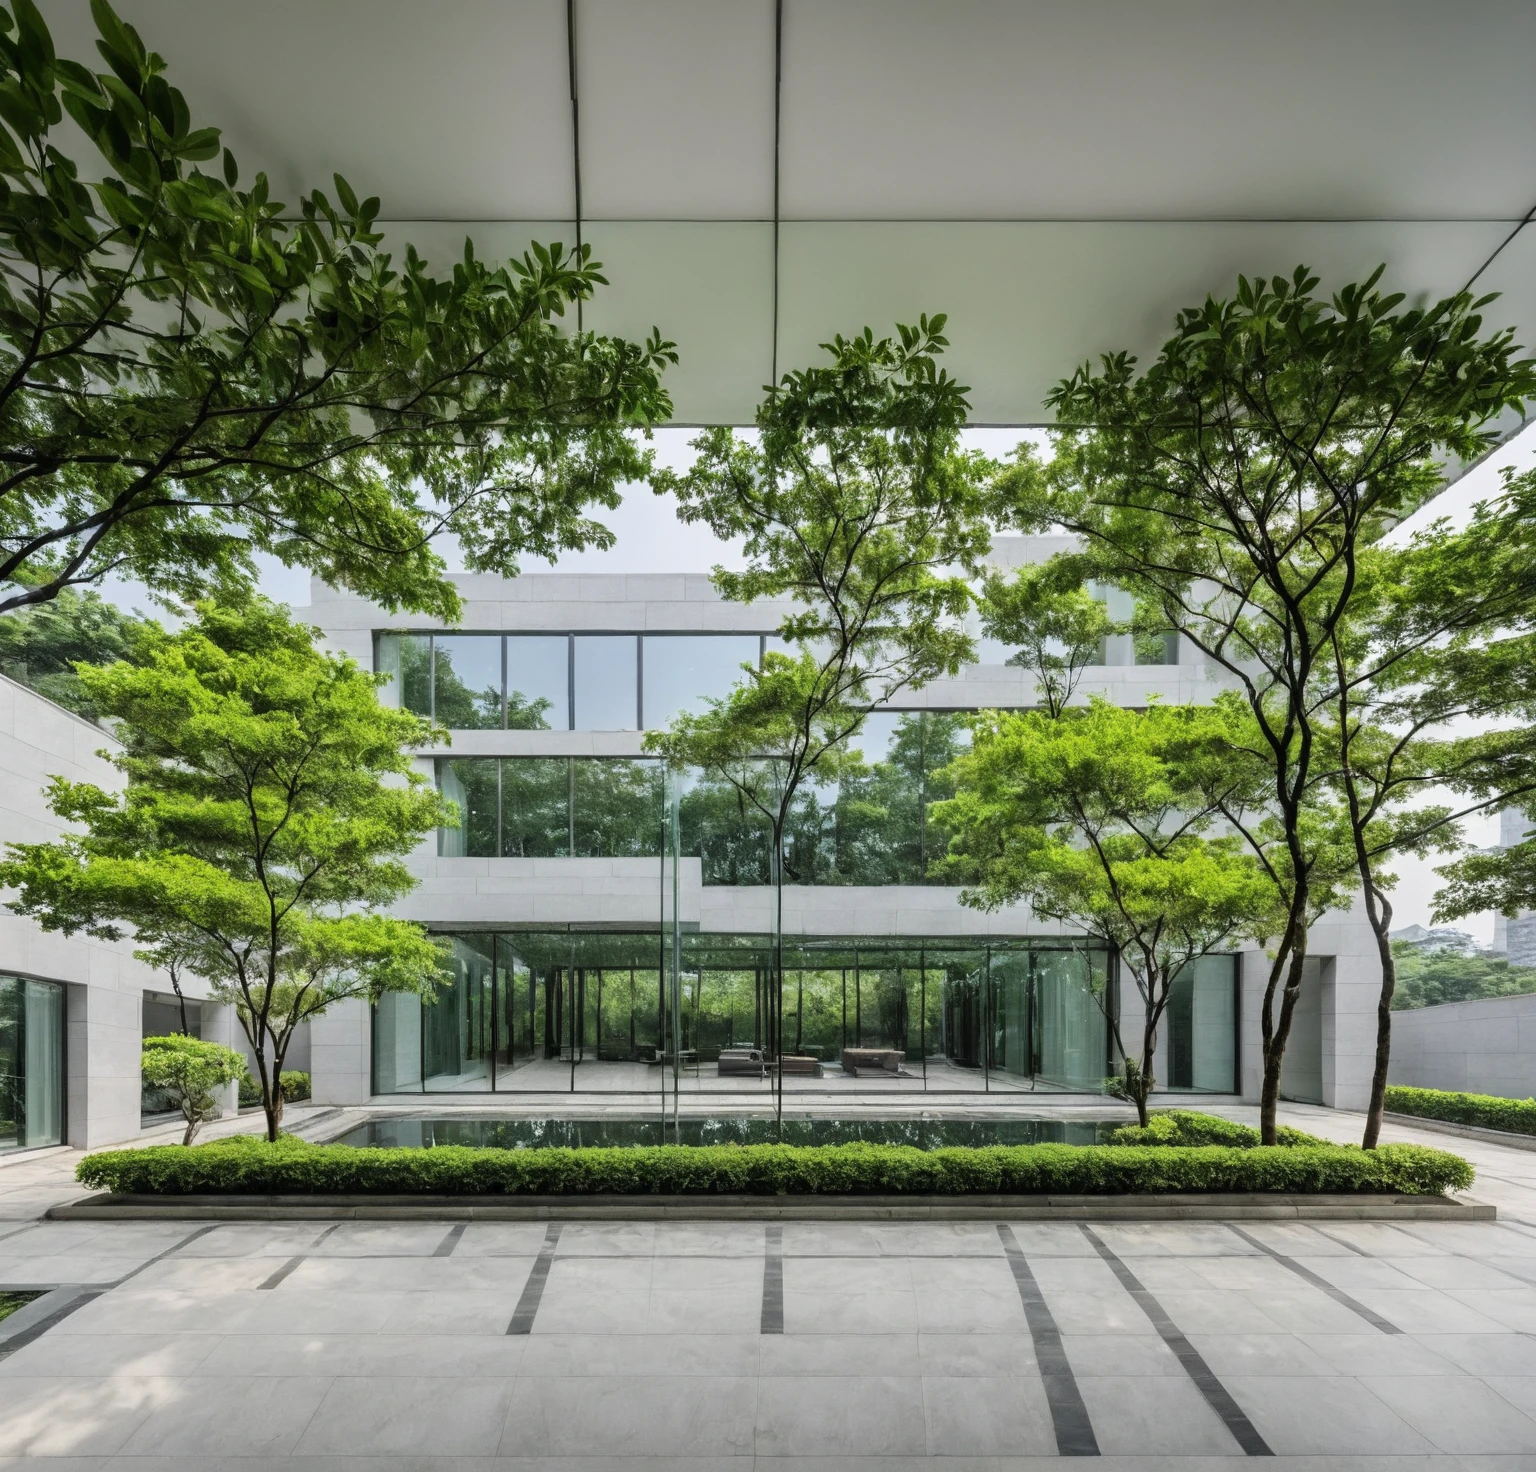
[1060, 177]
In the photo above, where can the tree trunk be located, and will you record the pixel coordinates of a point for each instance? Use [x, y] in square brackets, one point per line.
[1144, 1084]
[271, 1093]
[1381, 921]
[1277, 1034]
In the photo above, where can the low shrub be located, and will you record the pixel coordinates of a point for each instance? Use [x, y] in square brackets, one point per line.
[1518, 1116]
[1190, 1127]
[247, 1165]
[293, 1083]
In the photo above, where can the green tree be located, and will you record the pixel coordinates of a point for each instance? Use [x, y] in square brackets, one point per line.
[1431, 978]
[39, 645]
[189, 1071]
[855, 502]
[1229, 487]
[264, 822]
[191, 372]
[1094, 817]
[1438, 639]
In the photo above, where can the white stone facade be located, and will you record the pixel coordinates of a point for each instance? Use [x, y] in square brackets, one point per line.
[104, 984]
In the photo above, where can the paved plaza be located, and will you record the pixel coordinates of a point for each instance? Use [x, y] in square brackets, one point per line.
[585, 1345]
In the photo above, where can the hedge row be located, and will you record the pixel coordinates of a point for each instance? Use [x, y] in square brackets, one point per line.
[249, 1166]
[1515, 1115]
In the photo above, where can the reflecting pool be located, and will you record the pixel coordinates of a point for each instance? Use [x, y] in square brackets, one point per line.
[535, 1134]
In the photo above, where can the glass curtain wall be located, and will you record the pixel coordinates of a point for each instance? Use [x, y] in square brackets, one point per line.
[31, 1063]
[871, 828]
[655, 1011]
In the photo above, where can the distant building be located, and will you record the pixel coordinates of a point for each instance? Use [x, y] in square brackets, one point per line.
[1515, 938]
[1434, 938]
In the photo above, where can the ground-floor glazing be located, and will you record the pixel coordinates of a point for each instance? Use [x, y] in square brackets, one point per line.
[630, 1011]
[31, 1063]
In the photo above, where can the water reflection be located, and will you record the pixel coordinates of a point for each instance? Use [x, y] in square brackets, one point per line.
[536, 1134]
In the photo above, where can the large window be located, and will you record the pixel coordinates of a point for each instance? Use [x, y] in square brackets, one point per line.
[31, 1063]
[577, 1010]
[538, 682]
[1202, 1027]
[466, 681]
[683, 672]
[605, 690]
[871, 828]
[559, 682]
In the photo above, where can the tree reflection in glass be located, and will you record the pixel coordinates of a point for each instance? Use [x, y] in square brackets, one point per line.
[536, 807]
[617, 808]
[466, 679]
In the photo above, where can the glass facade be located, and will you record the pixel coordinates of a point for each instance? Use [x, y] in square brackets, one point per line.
[559, 682]
[538, 1010]
[31, 1063]
[596, 1011]
[871, 828]
[683, 672]
[1201, 1027]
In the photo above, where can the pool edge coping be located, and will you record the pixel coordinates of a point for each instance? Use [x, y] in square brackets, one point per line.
[1252, 1206]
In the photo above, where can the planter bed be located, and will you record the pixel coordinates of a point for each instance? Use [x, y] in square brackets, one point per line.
[1481, 1111]
[244, 1166]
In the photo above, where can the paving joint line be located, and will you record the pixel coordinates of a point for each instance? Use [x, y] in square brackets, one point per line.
[293, 1262]
[533, 1290]
[1217, 1396]
[73, 1300]
[1070, 1421]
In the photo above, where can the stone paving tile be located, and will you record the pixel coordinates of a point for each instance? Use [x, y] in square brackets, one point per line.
[622, 1416]
[903, 1343]
[1457, 1415]
[869, 1416]
[1135, 1414]
[448, 1417]
[208, 1416]
[1323, 1416]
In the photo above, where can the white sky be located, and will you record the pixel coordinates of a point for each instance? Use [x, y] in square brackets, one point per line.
[649, 538]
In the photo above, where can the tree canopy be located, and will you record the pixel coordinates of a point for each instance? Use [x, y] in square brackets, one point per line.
[1229, 487]
[267, 811]
[192, 371]
[1100, 816]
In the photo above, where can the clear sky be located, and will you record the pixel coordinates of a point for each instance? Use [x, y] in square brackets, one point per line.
[649, 538]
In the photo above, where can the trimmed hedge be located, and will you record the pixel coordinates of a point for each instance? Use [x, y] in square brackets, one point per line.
[1518, 1116]
[1190, 1127]
[246, 1165]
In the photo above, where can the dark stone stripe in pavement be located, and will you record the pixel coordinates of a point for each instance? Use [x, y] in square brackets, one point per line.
[1069, 1416]
[1217, 1396]
[773, 1280]
[1338, 1295]
[533, 1290]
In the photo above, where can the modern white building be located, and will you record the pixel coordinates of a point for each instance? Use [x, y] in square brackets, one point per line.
[756, 175]
[73, 1011]
[558, 894]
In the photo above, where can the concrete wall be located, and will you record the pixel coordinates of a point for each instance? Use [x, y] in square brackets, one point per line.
[1484, 1047]
[104, 1001]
